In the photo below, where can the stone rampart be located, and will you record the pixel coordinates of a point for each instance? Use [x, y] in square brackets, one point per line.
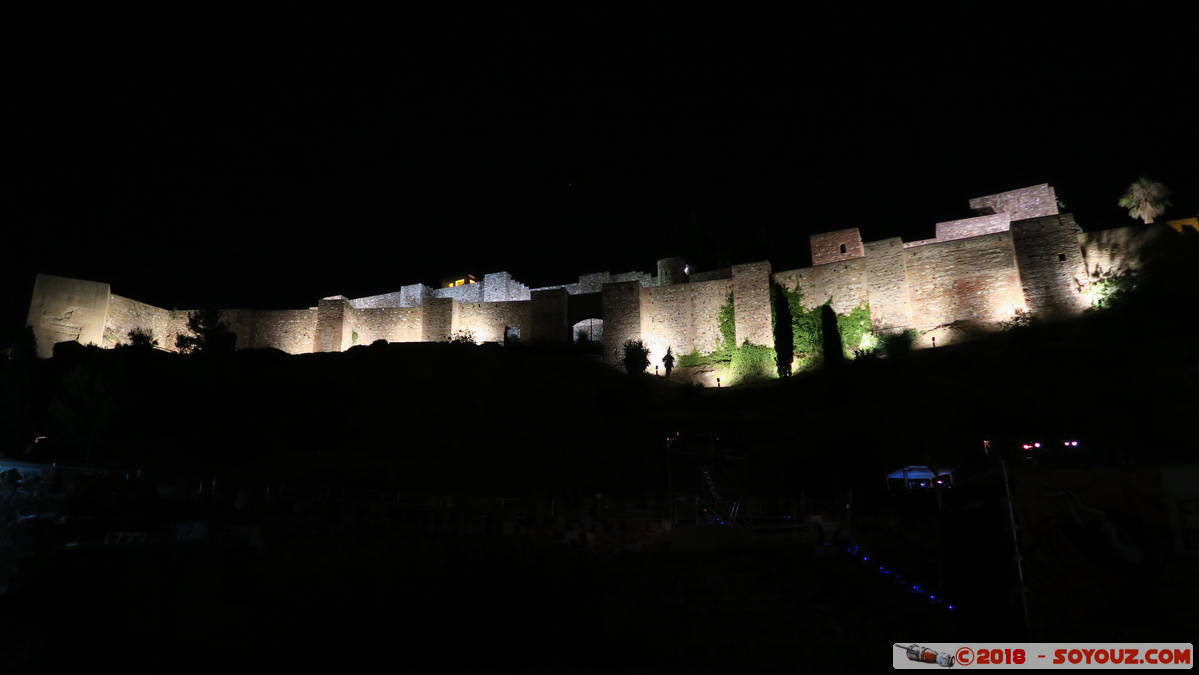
[1052, 270]
[489, 320]
[1030, 202]
[622, 317]
[835, 246]
[972, 280]
[291, 330]
[63, 309]
[125, 315]
[751, 303]
[394, 324]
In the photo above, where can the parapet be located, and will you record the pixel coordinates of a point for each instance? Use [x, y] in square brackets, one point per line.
[1030, 202]
[835, 246]
[973, 227]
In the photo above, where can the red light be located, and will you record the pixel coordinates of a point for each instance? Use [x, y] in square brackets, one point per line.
[1036, 445]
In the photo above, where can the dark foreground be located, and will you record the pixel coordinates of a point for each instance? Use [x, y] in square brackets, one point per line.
[430, 604]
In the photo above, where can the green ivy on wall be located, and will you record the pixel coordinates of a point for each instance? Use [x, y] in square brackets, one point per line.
[807, 334]
[748, 362]
[739, 363]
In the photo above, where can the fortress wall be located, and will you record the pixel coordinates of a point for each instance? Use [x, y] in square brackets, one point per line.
[394, 324]
[1030, 202]
[845, 282]
[548, 317]
[666, 321]
[438, 319]
[489, 319]
[973, 227]
[63, 309]
[241, 322]
[393, 299]
[712, 275]
[1117, 250]
[887, 285]
[332, 325]
[642, 278]
[671, 271]
[593, 282]
[971, 279]
[706, 299]
[501, 287]
[622, 317]
[291, 330]
[125, 314]
[463, 293]
[751, 303]
[683, 317]
[1052, 271]
[919, 242]
[177, 325]
[826, 246]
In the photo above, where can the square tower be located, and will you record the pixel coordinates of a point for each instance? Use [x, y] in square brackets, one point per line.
[838, 245]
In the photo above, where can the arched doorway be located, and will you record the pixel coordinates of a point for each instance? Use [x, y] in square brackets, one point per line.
[588, 330]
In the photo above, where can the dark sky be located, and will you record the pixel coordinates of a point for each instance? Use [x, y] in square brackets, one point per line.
[269, 160]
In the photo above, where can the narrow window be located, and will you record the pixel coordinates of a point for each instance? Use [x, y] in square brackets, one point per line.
[1061, 257]
[842, 249]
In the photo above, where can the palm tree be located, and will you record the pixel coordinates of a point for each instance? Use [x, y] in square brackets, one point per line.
[1145, 199]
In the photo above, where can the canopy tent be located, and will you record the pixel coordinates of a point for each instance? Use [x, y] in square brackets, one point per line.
[921, 477]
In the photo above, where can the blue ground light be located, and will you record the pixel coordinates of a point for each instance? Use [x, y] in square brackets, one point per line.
[916, 589]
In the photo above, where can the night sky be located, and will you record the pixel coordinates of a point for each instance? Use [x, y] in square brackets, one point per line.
[270, 160]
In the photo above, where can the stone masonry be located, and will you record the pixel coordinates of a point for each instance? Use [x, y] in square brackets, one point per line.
[1016, 252]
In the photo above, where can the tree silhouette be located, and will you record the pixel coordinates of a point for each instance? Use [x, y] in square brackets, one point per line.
[834, 354]
[784, 330]
[210, 334]
[1145, 199]
[139, 338]
[636, 357]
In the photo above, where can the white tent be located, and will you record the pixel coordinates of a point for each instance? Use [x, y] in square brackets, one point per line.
[921, 477]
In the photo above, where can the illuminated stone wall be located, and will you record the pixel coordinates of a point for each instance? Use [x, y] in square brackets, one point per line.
[1018, 253]
[973, 227]
[1052, 270]
[706, 299]
[622, 317]
[394, 324]
[666, 321]
[887, 285]
[333, 332]
[291, 330]
[125, 315]
[845, 283]
[463, 293]
[63, 309]
[487, 320]
[826, 246]
[683, 317]
[1030, 202]
[412, 295]
[751, 300]
[438, 318]
[501, 287]
[966, 280]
